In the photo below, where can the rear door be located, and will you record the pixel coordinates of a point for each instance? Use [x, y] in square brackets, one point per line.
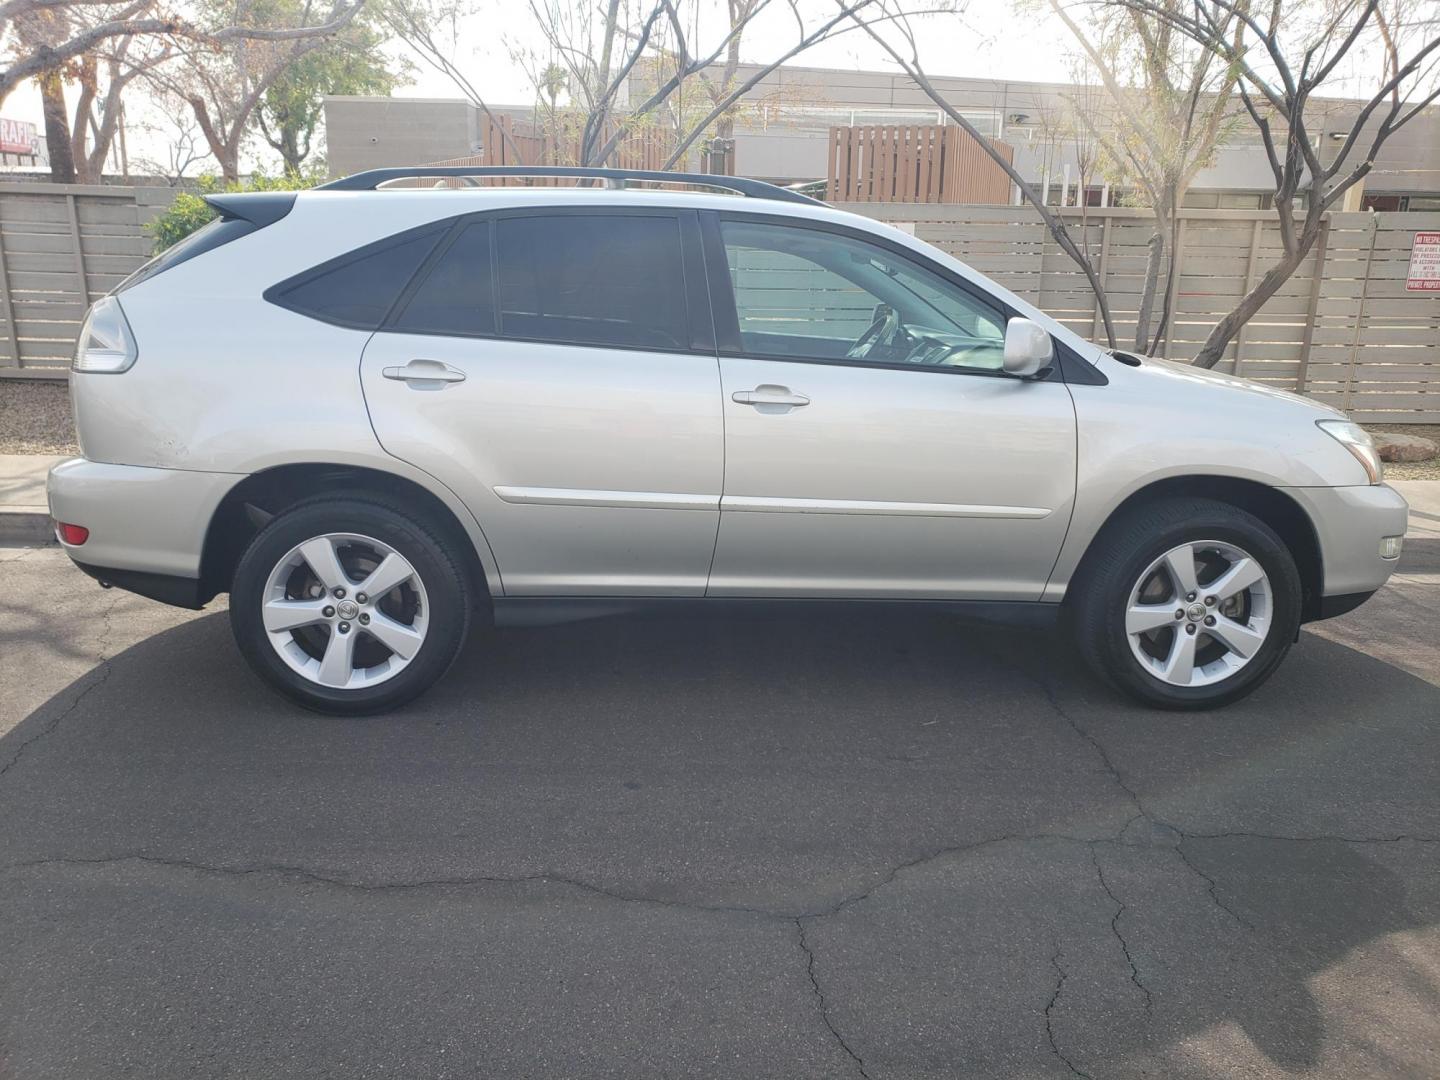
[874, 448]
[556, 369]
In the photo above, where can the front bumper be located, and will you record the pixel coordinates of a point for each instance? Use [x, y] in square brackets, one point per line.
[1349, 523]
[142, 521]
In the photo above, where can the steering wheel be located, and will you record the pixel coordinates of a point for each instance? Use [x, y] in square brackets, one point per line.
[883, 324]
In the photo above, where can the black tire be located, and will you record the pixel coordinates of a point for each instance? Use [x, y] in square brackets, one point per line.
[434, 558]
[1121, 554]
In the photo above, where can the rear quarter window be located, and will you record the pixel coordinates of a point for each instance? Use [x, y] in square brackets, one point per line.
[359, 288]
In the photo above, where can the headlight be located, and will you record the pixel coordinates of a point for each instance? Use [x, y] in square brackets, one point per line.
[1357, 440]
[105, 343]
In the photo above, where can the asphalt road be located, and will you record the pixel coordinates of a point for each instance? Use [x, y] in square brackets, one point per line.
[862, 845]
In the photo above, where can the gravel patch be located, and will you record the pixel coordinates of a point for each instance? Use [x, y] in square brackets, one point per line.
[1411, 470]
[35, 417]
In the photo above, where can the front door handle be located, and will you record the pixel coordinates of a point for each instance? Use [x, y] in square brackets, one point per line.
[425, 374]
[770, 394]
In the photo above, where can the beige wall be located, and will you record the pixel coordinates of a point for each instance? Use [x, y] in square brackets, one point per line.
[784, 135]
[371, 133]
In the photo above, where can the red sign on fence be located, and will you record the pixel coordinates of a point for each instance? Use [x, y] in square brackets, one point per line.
[1424, 275]
[17, 136]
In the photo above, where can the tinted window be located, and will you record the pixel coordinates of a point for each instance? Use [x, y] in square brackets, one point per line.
[455, 297]
[593, 280]
[360, 288]
[808, 294]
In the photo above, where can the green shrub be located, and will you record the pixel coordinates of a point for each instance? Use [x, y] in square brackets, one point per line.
[189, 211]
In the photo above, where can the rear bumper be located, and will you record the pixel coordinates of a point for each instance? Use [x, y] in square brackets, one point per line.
[176, 591]
[144, 523]
[1349, 523]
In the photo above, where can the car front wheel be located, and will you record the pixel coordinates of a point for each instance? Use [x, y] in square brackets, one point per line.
[349, 606]
[1188, 603]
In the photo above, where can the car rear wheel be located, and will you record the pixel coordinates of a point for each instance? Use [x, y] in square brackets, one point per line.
[349, 606]
[1188, 603]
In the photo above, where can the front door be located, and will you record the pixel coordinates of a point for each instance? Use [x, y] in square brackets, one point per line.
[873, 446]
[556, 369]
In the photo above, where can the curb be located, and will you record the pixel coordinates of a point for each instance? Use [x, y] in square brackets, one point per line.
[25, 525]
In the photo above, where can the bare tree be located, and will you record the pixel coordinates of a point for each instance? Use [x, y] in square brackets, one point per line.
[432, 29]
[177, 130]
[223, 81]
[79, 145]
[708, 113]
[1284, 58]
[850, 15]
[44, 38]
[600, 50]
[43, 35]
[103, 77]
[57, 127]
[906, 54]
[1165, 104]
[721, 85]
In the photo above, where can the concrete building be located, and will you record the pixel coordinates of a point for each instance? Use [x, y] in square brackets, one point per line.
[782, 134]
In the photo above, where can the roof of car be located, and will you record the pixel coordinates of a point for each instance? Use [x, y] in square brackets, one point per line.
[443, 201]
[373, 179]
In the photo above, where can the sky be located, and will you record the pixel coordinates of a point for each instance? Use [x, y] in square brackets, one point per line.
[984, 42]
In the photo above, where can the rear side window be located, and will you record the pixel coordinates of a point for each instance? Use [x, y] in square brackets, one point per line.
[608, 280]
[358, 289]
[456, 296]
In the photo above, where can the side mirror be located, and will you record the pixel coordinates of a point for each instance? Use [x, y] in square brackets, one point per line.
[1028, 348]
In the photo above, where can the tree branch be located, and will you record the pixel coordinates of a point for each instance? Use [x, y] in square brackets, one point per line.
[1056, 227]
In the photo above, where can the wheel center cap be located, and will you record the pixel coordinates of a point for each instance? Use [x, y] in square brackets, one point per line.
[1196, 612]
[347, 609]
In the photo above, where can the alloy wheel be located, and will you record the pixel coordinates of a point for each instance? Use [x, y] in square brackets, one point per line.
[345, 611]
[1199, 613]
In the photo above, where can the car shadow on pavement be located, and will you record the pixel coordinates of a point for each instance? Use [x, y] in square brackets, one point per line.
[949, 848]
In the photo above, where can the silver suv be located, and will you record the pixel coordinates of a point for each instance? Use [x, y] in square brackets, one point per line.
[372, 416]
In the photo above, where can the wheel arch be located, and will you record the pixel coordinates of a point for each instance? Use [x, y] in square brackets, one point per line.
[1270, 504]
[261, 495]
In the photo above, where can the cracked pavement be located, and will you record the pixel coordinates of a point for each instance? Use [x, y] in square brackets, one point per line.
[864, 845]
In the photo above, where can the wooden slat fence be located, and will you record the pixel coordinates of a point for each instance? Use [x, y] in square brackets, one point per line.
[507, 141]
[1349, 335]
[911, 163]
[61, 247]
[780, 293]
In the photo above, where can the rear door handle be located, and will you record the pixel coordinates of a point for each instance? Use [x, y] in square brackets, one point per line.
[770, 394]
[425, 374]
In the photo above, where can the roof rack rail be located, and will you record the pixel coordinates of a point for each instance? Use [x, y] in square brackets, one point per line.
[371, 179]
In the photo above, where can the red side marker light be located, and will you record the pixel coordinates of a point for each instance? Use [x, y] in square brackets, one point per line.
[74, 535]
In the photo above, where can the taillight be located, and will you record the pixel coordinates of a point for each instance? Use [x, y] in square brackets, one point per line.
[105, 344]
[74, 535]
